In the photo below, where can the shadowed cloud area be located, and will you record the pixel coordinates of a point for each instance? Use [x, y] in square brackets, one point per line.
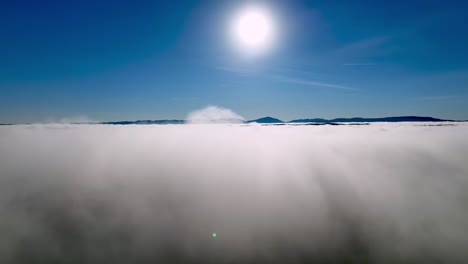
[383, 193]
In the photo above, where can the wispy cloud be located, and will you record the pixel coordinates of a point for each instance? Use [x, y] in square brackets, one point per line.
[315, 83]
[288, 79]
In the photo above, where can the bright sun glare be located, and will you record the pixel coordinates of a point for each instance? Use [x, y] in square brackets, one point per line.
[253, 29]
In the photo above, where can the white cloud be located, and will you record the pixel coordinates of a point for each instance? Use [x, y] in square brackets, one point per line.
[385, 193]
[214, 115]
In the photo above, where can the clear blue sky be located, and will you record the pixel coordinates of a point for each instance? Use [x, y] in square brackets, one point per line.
[126, 60]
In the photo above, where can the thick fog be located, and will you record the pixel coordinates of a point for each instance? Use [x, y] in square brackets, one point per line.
[383, 193]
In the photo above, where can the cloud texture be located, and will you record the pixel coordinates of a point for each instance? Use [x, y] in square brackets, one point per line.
[384, 193]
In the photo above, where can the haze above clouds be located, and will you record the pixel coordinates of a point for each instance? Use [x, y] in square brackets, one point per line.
[383, 193]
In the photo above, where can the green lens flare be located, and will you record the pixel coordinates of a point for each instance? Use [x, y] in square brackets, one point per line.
[214, 235]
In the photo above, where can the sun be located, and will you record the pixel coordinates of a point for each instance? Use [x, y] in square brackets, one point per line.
[253, 29]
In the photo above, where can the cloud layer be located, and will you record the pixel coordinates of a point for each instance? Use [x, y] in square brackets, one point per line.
[384, 193]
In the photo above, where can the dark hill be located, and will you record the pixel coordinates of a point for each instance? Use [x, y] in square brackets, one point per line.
[266, 120]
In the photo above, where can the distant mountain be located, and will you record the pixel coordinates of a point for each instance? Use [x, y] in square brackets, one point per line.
[146, 122]
[272, 120]
[360, 119]
[266, 120]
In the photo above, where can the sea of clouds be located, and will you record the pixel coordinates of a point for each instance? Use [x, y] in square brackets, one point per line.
[383, 193]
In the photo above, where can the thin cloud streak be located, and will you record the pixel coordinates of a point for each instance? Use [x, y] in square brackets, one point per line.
[315, 83]
[292, 80]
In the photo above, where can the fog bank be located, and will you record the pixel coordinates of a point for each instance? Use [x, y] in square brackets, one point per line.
[383, 193]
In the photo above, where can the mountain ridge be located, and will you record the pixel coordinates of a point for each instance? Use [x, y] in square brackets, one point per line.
[272, 120]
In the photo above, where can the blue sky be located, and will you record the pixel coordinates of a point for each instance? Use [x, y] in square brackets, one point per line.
[162, 59]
